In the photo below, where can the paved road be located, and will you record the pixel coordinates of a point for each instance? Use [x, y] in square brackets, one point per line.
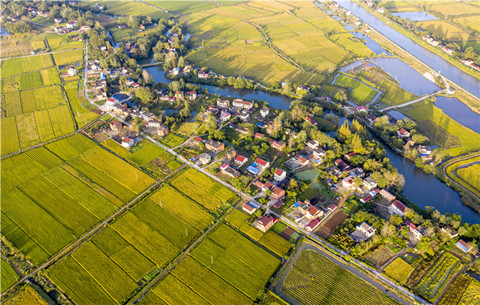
[413, 102]
[334, 259]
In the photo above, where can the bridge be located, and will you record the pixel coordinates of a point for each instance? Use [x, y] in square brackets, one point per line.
[414, 101]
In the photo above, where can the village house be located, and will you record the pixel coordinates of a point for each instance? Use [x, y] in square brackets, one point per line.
[402, 133]
[313, 144]
[228, 170]
[387, 195]
[258, 135]
[311, 121]
[240, 160]
[163, 130]
[369, 184]
[127, 142]
[348, 156]
[277, 193]
[244, 116]
[231, 154]
[250, 207]
[154, 124]
[225, 104]
[279, 175]
[264, 111]
[462, 245]
[71, 71]
[202, 74]
[348, 183]
[397, 207]
[238, 103]
[264, 223]
[204, 158]
[418, 232]
[225, 116]
[312, 225]
[363, 232]
[357, 172]
[341, 164]
[424, 151]
[115, 125]
[258, 166]
[215, 146]
[450, 231]
[279, 145]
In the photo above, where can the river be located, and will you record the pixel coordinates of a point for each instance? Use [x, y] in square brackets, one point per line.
[461, 78]
[274, 100]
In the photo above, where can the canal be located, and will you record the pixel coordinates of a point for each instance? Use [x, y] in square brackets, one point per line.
[456, 75]
[274, 100]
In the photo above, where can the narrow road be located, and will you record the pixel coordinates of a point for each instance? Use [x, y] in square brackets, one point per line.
[39, 54]
[413, 102]
[154, 6]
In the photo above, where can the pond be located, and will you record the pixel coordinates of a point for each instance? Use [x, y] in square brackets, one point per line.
[120, 96]
[415, 16]
[459, 112]
[408, 78]
[308, 174]
[371, 44]
[274, 100]
[4, 31]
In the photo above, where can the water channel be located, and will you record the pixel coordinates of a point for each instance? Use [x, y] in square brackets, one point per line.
[461, 78]
[274, 100]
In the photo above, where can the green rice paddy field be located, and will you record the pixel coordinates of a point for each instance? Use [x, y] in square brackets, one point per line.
[232, 46]
[36, 106]
[8, 275]
[119, 257]
[26, 296]
[53, 194]
[443, 127]
[34, 116]
[226, 268]
[360, 93]
[314, 279]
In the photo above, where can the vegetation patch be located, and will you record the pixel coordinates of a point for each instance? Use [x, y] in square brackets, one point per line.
[203, 189]
[436, 278]
[360, 93]
[399, 270]
[26, 296]
[314, 279]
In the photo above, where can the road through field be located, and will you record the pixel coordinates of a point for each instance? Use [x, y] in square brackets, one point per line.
[90, 233]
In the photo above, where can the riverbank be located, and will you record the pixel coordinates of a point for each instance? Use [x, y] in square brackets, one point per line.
[426, 61]
[421, 42]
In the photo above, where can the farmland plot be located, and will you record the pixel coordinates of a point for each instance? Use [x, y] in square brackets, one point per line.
[239, 271]
[26, 296]
[472, 294]
[45, 207]
[433, 282]
[399, 270]
[63, 58]
[8, 275]
[119, 257]
[203, 189]
[314, 279]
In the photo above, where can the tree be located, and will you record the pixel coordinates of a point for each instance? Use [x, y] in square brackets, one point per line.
[181, 62]
[175, 86]
[357, 144]
[145, 94]
[340, 96]
[396, 220]
[219, 135]
[239, 83]
[145, 76]
[277, 126]
[357, 181]
[211, 123]
[345, 130]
